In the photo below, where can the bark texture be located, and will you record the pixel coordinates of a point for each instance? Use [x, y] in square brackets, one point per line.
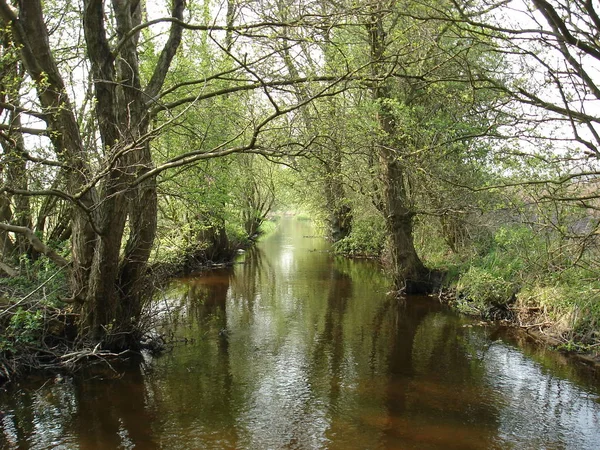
[107, 283]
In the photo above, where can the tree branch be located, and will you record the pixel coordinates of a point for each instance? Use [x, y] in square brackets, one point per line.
[38, 245]
[168, 51]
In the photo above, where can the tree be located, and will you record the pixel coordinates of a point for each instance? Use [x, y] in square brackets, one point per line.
[552, 49]
[108, 289]
[110, 175]
[418, 64]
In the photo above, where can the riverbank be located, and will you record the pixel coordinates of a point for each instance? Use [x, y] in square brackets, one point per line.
[513, 274]
[297, 348]
[39, 326]
[532, 320]
[552, 300]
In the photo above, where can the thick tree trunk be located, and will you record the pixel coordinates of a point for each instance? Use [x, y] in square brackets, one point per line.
[116, 294]
[133, 283]
[409, 273]
[108, 288]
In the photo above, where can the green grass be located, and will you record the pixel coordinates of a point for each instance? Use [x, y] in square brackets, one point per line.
[535, 276]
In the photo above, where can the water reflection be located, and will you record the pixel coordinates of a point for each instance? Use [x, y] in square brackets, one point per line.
[293, 348]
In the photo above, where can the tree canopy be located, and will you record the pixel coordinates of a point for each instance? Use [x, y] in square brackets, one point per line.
[129, 125]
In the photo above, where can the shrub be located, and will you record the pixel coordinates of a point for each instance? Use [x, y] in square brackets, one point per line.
[367, 238]
[483, 288]
[24, 328]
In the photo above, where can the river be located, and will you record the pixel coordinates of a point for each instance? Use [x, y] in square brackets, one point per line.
[293, 348]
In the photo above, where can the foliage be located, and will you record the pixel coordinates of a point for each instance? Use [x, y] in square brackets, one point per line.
[367, 238]
[484, 288]
[268, 227]
[423, 128]
[539, 279]
[24, 328]
[42, 278]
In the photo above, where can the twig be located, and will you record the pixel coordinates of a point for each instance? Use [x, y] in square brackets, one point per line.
[541, 324]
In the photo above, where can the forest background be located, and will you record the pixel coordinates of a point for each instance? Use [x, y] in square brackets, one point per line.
[455, 141]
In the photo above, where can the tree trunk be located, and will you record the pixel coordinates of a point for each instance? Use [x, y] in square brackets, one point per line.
[115, 299]
[340, 213]
[409, 272]
[30, 32]
[410, 275]
[7, 247]
[13, 143]
[134, 286]
[108, 288]
[17, 178]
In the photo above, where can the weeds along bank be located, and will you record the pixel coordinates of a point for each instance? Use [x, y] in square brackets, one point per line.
[532, 275]
[541, 275]
[537, 281]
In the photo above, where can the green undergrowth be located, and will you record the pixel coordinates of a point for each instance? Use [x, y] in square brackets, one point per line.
[534, 281]
[33, 318]
[268, 227]
[23, 327]
[533, 276]
[39, 280]
[367, 239]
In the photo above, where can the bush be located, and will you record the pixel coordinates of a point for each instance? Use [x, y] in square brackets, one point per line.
[24, 328]
[483, 288]
[268, 227]
[32, 276]
[237, 236]
[492, 280]
[367, 238]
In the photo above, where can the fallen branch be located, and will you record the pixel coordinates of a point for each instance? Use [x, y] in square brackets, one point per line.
[527, 308]
[71, 359]
[540, 325]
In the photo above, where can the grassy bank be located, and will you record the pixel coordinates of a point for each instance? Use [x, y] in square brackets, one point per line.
[534, 277]
[549, 287]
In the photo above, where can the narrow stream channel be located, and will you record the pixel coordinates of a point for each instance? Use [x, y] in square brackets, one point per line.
[296, 349]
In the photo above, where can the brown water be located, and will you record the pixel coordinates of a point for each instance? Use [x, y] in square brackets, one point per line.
[296, 349]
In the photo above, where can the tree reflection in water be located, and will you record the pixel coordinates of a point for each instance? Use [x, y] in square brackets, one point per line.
[295, 348]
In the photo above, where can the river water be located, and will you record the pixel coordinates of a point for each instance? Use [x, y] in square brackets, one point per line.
[293, 348]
